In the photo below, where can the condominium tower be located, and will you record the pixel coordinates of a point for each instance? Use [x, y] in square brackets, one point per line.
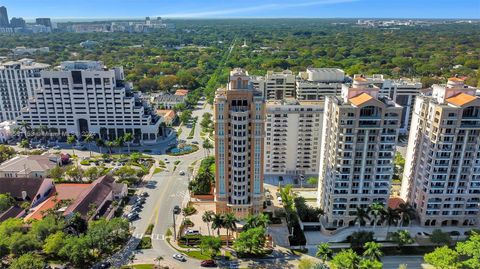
[293, 133]
[360, 129]
[239, 118]
[85, 97]
[442, 171]
[18, 82]
[316, 83]
[276, 85]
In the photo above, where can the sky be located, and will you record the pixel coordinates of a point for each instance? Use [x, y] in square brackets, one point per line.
[61, 9]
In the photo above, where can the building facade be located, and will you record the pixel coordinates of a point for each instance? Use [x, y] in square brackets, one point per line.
[18, 82]
[84, 97]
[239, 119]
[3, 17]
[442, 170]
[277, 85]
[292, 137]
[402, 91]
[360, 130]
[317, 83]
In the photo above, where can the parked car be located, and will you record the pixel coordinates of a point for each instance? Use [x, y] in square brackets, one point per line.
[179, 257]
[177, 210]
[279, 199]
[102, 265]
[144, 194]
[192, 232]
[132, 216]
[195, 142]
[208, 263]
[182, 173]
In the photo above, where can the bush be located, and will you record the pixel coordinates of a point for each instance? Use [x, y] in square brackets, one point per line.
[298, 237]
[305, 212]
[189, 210]
[85, 162]
[145, 243]
[149, 229]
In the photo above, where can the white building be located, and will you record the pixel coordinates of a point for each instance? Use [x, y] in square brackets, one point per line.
[276, 85]
[442, 170]
[317, 83]
[6, 130]
[84, 97]
[402, 91]
[18, 82]
[360, 130]
[292, 137]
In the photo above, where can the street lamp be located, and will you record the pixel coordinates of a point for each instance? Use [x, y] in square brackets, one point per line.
[176, 210]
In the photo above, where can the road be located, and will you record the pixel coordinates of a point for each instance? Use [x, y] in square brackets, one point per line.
[166, 189]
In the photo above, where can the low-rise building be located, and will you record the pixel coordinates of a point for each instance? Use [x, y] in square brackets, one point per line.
[32, 166]
[169, 116]
[168, 101]
[292, 137]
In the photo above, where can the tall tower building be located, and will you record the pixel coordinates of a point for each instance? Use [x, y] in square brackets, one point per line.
[3, 17]
[44, 21]
[276, 85]
[360, 129]
[85, 97]
[18, 82]
[239, 136]
[442, 170]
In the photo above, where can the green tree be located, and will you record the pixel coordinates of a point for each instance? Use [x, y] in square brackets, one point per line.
[313, 181]
[390, 217]
[128, 138]
[373, 251]
[229, 223]
[440, 238]
[443, 258]
[370, 264]
[6, 153]
[89, 138]
[27, 261]
[21, 243]
[92, 173]
[376, 210]
[210, 245]
[127, 174]
[324, 252]
[358, 239]
[407, 213]
[250, 241]
[54, 243]
[75, 173]
[185, 116]
[361, 216]
[471, 250]
[41, 229]
[402, 238]
[207, 217]
[71, 139]
[254, 221]
[345, 259]
[24, 143]
[6, 201]
[56, 173]
[217, 223]
[76, 250]
[306, 263]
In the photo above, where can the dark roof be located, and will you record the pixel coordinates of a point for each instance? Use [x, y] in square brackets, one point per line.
[12, 212]
[96, 194]
[15, 186]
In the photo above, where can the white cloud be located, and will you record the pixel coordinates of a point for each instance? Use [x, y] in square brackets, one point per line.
[242, 11]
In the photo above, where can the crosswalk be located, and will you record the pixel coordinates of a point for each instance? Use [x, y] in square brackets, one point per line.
[180, 194]
[154, 236]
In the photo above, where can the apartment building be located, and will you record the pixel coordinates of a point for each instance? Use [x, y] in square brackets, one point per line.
[239, 119]
[85, 97]
[276, 85]
[18, 82]
[360, 129]
[292, 137]
[442, 171]
[402, 91]
[316, 83]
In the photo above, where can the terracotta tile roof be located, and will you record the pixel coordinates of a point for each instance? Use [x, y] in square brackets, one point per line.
[395, 202]
[360, 99]
[455, 79]
[181, 92]
[360, 79]
[461, 99]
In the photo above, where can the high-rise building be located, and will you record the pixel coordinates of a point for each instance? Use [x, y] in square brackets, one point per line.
[276, 85]
[442, 170]
[360, 130]
[317, 83]
[403, 91]
[3, 17]
[18, 82]
[239, 119]
[292, 140]
[44, 21]
[84, 97]
[17, 23]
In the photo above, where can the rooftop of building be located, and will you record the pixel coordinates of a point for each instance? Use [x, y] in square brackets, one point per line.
[181, 92]
[25, 189]
[169, 98]
[24, 64]
[30, 163]
[292, 102]
[82, 65]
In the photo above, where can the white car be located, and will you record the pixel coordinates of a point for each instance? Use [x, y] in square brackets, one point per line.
[192, 232]
[179, 257]
[279, 200]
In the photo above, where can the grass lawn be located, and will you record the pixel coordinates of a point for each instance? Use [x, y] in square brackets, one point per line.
[139, 266]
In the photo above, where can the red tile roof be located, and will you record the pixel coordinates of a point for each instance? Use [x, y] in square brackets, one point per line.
[461, 99]
[394, 202]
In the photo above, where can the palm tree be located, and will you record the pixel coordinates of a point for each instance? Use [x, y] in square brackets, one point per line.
[390, 217]
[89, 138]
[324, 252]
[229, 223]
[110, 145]
[44, 131]
[254, 221]
[158, 259]
[100, 143]
[26, 127]
[16, 131]
[118, 142]
[376, 210]
[406, 212]
[373, 251]
[71, 139]
[217, 223]
[128, 138]
[207, 217]
[207, 145]
[361, 216]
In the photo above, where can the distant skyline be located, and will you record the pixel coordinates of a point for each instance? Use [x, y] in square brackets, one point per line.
[74, 9]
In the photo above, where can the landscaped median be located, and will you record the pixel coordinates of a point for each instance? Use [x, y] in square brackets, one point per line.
[182, 149]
